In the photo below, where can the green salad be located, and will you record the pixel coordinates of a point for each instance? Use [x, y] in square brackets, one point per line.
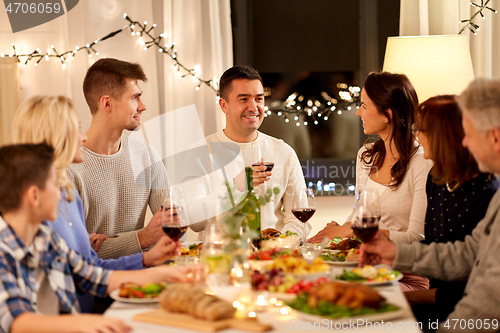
[326, 309]
[370, 274]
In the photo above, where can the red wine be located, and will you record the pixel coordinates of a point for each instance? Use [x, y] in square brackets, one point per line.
[367, 229]
[175, 232]
[371, 219]
[303, 214]
[269, 165]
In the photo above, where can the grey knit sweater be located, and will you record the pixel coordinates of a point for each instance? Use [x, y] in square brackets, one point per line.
[116, 190]
[476, 259]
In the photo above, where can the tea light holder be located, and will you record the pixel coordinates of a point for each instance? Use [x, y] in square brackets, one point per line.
[261, 302]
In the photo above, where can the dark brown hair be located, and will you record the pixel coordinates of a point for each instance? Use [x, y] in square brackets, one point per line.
[393, 92]
[22, 166]
[235, 73]
[107, 77]
[441, 121]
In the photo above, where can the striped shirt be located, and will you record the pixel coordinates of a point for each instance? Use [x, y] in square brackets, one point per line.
[66, 271]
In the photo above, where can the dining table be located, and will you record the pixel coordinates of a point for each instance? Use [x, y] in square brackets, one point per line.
[283, 319]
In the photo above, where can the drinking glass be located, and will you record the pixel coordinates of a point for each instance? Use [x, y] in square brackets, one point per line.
[213, 255]
[262, 154]
[303, 207]
[174, 215]
[366, 215]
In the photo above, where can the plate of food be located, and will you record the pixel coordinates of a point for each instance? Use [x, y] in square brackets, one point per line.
[280, 285]
[370, 275]
[272, 238]
[341, 258]
[192, 249]
[259, 260]
[350, 302]
[344, 244]
[135, 293]
[299, 266]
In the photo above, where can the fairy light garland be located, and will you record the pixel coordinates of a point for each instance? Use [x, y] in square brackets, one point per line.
[473, 27]
[137, 29]
[299, 109]
[169, 50]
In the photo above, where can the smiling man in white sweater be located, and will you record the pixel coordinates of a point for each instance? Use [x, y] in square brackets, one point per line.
[242, 101]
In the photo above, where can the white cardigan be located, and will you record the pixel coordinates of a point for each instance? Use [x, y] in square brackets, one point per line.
[403, 209]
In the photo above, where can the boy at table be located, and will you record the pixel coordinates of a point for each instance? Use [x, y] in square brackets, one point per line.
[242, 102]
[475, 259]
[39, 273]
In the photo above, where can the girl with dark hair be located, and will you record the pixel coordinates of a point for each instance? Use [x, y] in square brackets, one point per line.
[458, 195]
[393, 164]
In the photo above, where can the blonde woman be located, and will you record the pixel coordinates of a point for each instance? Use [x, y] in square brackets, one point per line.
[53, 120]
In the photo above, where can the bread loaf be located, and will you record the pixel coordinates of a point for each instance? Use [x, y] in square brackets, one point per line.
[192, 300]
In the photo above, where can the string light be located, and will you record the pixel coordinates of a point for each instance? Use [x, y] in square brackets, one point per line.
[315, 108]
[473, 27]
[143, 33]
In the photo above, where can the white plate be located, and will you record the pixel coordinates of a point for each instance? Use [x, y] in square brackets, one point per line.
[314, 276]
[375, 283]
[289, 242]
[342, 263]
[114, 295]
[374, 317]
[331, 251]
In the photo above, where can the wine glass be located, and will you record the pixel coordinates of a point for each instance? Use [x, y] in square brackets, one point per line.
[174, 214]
[303, 207]
[366, 215]
[262, 154]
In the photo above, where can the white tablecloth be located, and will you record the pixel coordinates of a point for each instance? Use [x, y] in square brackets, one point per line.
[284, 323]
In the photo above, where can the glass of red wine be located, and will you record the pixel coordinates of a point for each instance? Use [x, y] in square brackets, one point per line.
[366, 215]
[262, 154]
[303, 208]
[174, 214]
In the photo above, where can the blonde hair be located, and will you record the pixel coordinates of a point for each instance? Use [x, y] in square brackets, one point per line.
[52, 120]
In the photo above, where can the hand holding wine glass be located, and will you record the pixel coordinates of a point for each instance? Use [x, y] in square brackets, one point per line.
[303, 208]
[174, 215]
[366, 215]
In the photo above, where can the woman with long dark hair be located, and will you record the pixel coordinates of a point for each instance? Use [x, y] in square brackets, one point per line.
[393, 164]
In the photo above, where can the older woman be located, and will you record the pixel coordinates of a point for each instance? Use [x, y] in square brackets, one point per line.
[458, 195]
[393, 164]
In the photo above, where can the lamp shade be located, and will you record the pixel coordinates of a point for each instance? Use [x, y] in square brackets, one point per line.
[436, 65]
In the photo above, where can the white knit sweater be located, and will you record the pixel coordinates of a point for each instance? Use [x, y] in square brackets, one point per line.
[204, 193]
[403, 209]
[116, 190]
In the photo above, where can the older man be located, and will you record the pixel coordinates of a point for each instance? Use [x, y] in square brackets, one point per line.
[476, 259]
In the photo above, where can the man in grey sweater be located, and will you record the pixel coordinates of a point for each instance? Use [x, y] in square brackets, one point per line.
[114, 197]
[477, 258]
